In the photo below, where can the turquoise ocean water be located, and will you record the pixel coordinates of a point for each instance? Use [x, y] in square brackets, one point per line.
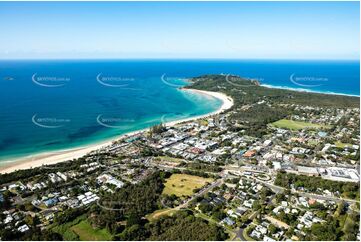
[53, 105]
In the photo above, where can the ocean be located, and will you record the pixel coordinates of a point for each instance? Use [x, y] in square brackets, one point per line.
[49, 105]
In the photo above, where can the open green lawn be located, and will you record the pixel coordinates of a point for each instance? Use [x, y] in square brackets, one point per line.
[183, 184]
[339, 144]
[296, 125]
[203, 122]
[86, 232]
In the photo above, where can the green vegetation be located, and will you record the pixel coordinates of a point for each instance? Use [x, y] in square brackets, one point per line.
[346, 189]
[203, 122]
[228, 230]
[64, 228]
[169, 159]
[339, 144]
[185, 226]
[86, 232]
[246, 231]
[157, 129]
[130, 203]
[203, 167]
[121, 216]
[81, 229]
[297, 125]
[252, 91]
[160, 213]
[183, 184]
[255, 118]
[338, 226]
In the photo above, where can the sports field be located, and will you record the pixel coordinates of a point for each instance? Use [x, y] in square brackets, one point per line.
[297, 125]
[183, 184]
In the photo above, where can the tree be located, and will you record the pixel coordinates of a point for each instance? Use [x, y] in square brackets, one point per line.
[157, 129]
[256, 205]
[205, 207]
[133, 219]
[272, 229]
[341, 209]
[324, 231]
[219, 215]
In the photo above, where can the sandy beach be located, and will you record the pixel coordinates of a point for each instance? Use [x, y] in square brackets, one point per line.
[48, 158]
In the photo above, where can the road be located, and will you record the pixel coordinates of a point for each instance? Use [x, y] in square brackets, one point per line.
[273, 187]
[200, 193]
[278, 189]
[239, 235]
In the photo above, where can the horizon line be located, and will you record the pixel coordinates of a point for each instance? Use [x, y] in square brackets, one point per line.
[179, 58]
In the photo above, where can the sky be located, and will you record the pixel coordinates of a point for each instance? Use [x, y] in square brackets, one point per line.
[242, 30]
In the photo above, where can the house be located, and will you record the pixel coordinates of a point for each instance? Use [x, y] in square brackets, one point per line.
[267, 142]
[73, 203]
[51, 202]
[249, 153]
[23, 228]
[266, 238]
[248, 203]
[240, 210]
[256, 234]
[311, 201]
[227, 196]
[105, 178]
[228, 221]
[277, 165]
[303, 202]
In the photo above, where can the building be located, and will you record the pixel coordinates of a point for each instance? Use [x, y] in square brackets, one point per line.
[308, 171]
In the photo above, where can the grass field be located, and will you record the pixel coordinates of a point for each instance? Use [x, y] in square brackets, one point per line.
[203, 122]
[183, 184]
[339, 144]
[160, 213]
[297, 125]
[86, 232]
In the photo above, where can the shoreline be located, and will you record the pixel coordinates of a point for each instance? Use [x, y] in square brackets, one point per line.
[308, 90]
[53, 157]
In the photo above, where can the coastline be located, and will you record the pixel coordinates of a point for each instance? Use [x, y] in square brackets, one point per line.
[308, 90]
[50, 158]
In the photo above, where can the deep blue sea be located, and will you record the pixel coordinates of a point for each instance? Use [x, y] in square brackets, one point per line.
[48, 105]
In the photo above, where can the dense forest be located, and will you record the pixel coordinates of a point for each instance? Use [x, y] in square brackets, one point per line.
[131, 202]
[182, 226]
[185, 226]
[346, 189]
